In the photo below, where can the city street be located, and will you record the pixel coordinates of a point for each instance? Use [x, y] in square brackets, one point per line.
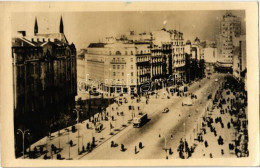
[160, 127]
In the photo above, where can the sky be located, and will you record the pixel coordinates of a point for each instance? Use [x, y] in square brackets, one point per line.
[82, 28]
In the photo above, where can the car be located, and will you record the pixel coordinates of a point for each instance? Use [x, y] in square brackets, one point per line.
[151, 92]
[187, 102]
[166, 110]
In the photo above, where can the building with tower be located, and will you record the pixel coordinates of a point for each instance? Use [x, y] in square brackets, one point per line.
[44, 81]
[230, 28]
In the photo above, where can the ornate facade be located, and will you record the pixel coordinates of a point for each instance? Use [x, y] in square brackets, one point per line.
[45, 80]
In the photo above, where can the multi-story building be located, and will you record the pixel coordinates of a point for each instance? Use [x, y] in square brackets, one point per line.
[209, 54]
[119, 67]
[168, 51]
[178, 56]
[230, 27]
[239, 58]
[159, 53]
[44, 80]
[133, 60]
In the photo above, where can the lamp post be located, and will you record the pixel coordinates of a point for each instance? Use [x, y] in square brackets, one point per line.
[77, 111]
[23, 132]
[68, 142]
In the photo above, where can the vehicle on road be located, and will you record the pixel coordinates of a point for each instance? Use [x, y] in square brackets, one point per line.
[150, 92]
[166, 110]
[187, 102]
[140, 120]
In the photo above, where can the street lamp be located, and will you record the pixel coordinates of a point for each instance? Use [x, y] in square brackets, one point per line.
[68, 141]
[77, 111]
[23, 132]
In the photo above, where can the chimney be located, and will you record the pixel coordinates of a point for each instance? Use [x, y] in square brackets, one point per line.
[23, 33]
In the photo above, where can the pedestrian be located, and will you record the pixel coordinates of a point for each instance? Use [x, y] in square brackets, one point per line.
[112, 144]
[206, 143]
[140, 145]
[122, 147]
[170, 151]
[41, 149]
[35, 150]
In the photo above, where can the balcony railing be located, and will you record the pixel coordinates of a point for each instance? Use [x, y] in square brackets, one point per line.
[118, 62]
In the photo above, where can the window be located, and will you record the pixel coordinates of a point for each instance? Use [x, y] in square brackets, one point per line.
[132, 53]
[125, 52]
[132, 59]
[122, 66]
[118, 66]
[110, 53]
[118, 53]
[114, 67]
[114, 73]
[123, 74]
[132, 74]
[132, 67]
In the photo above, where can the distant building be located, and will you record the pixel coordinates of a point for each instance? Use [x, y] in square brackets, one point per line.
[45, 80]
[209, 54]
[230, 27]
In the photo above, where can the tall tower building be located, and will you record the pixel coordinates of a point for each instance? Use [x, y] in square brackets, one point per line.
[230, 27]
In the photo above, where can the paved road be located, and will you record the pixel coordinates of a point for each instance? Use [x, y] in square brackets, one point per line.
[165, 124]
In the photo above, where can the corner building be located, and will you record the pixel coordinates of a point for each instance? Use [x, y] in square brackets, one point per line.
[44, 81]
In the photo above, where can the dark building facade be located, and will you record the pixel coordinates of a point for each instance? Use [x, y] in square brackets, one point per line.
[44, 82]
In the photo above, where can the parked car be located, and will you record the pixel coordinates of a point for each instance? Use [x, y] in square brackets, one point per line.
[166, 110]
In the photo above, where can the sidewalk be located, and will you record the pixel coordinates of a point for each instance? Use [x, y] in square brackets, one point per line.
[215, 150]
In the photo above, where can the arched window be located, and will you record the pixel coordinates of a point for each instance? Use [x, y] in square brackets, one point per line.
[118, 53]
